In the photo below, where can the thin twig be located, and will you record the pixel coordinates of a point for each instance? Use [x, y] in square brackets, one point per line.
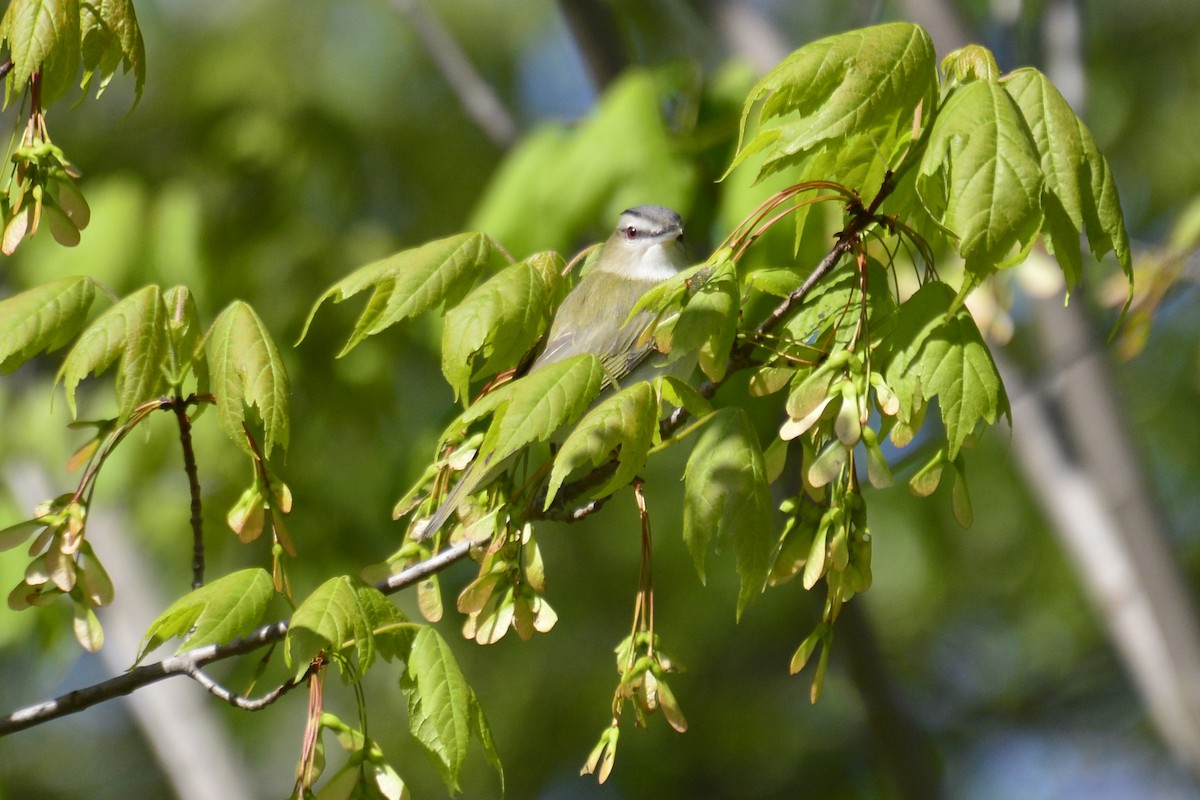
[180, 405]
[238, 701]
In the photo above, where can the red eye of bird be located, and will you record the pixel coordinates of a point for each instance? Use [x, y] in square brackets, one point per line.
[631, 233]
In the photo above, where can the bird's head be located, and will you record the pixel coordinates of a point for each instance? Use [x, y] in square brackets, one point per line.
[646, 245]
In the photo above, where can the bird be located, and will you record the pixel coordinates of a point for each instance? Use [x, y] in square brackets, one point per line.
[645, 249]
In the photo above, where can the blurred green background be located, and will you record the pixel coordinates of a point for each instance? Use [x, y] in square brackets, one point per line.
[279, 145]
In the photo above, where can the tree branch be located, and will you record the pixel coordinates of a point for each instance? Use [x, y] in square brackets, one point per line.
[236, 700]
[477, 97]
[593, 26]
[188, 663]
[180, 405]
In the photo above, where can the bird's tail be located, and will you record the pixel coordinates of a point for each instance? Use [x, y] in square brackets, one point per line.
[471, 480]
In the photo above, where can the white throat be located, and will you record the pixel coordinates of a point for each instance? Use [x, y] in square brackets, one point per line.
[657, 263]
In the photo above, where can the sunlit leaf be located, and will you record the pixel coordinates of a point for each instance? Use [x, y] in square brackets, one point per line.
[624, 423]
[1077, 176]
[935, 355]
[184, 331]
[42, 36]
[216, 613]
[439, 704]
[408, 283]
[247, 372]
[545, 400]
[980, 176]
[846, 101]
[111, 38]
[131, 333]
[333, 616]
[708, 322]
[971, 63]
[499, 321]
[43, 319]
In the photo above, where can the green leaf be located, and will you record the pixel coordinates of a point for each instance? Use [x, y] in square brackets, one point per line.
[944, 356]
[391, 632]
[329, 619]
[247, 372]
[498, 322]
[682, 394]
[220, 612]
[483, 732]
[726, 498]
[971, 63]
[133, 330]
[708, 323]
[184, 337]
[42, 36]
[1077, 176]
[439, 704]
[626, 423]
[43, 319]
[843, 105]
[408, 283]
[980, 176]
[111, 38]
[544, 401]
[777, 282]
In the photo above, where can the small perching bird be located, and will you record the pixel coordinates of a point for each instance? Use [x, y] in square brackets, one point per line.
[645, 249]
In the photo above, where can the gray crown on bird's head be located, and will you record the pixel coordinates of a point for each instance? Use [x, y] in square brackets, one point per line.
[650, 222]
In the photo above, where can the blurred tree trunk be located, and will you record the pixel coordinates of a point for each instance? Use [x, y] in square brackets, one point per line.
[1073, 443]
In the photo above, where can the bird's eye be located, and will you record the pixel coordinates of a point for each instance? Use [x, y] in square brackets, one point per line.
[631, 233]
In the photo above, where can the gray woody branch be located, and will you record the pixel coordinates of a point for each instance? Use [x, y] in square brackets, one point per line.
[190, 662]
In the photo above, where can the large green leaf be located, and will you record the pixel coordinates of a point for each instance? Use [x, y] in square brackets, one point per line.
[339, 613]
[534, 407]
[936, 353]
[848, 100]
[440, 704]
[980, 176]
[726, 498]
[625, 423]
[499, 321]
[408, 283]
[42, 36]
[225, 609]
[247, 371]
[1078, 178]
[708, 323]
[43, 319]
[133, 331]
[111, 37]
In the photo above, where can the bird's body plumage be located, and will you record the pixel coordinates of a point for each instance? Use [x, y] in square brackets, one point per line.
[644, 250]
